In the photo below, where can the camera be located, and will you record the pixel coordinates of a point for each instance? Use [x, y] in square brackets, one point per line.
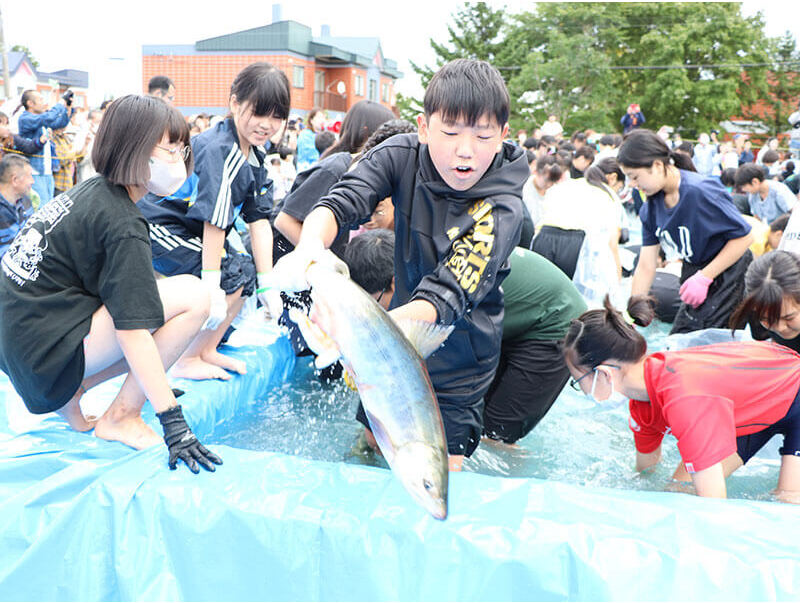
[67, 96]
[292, 124]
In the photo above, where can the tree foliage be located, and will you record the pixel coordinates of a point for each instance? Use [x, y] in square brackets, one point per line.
[689, 65]
[21, 48]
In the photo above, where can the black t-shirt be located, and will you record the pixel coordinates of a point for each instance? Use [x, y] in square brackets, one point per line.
[86, 248]
[313, 184]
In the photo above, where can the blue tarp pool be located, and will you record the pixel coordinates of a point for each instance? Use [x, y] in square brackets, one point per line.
[84, 519]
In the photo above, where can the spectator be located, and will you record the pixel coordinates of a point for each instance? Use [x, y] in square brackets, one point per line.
[727, 158]
[552, 127]
[307, 152]
[37, 121]
[704, 153]
[794, 142]
[162, 87]
[324, 140]
[728, 179]
[583, 158]
[770, 144]
[605, 147]
[16, 180]
[768, 199]
[633, 118]
[64, 177]
[84, 139]
[522, 136]
[14, 142]
[578, 139]
[769, 159]
[744, 147]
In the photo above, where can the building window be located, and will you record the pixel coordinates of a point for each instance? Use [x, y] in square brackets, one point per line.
[373, 90]
[299, 77]
[359, 86]
[385, 93]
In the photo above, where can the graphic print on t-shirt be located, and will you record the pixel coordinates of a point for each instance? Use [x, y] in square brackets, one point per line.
[20, 263]
[671, 249]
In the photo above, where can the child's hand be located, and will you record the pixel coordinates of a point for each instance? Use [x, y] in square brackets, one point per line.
[183, 444]
[289, 273]
[269, 295]
[695, 290]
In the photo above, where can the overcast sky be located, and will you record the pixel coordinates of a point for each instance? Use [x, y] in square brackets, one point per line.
[105, 37]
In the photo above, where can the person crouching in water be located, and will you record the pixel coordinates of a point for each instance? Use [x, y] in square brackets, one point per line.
[722, 402]
[79, 298]
[540, 301]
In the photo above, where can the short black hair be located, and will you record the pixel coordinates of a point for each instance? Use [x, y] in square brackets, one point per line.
[9, 165]
[747, 172]
[607, 140]
[585, 151]
[323, 140]
[385, 131]
[159, 83]
[469, 89]
[131, 128]
[728, 177]
[566, 145]
[284, 151]
[531, 143]
[265, 87]
[770, 156]
[370, 258]
[777, 224]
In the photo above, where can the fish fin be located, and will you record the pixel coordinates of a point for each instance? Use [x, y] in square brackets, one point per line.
[426, 337]
[316, 339]
[381, 436]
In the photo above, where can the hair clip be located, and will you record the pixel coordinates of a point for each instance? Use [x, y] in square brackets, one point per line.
[628, 318]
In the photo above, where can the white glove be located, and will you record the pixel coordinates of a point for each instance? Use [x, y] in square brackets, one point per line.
[289, 273]
[219, 305]
[269, 295]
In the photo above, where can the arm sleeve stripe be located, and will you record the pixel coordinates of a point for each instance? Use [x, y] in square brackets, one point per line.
[233, 163]
[169, 241]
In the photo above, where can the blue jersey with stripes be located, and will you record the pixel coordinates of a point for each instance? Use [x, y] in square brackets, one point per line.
[224, 185]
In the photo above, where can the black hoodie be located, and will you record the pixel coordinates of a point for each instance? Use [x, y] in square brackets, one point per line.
[451, 249]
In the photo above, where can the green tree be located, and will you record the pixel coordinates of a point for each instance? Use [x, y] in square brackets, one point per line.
[21, 48]
[683, 62]
[477, 32]
[408, 107]
[784, 86]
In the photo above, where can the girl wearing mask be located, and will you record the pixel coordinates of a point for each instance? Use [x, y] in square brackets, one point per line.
[722, 402]
[189, 230]
[79, 298]
[690, 217]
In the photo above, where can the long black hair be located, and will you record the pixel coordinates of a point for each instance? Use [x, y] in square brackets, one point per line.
[642, 148]
[265, 87]
[361, 121]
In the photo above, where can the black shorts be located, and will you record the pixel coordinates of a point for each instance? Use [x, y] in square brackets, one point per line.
[529, 378]
[177, 251]
[560, 246]
[788, 426]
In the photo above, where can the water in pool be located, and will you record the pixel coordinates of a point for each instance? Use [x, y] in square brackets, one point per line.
[577, 442]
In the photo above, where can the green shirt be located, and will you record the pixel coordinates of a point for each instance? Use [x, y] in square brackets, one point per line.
[540, 300]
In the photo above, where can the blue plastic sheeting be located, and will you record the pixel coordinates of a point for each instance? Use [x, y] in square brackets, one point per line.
[84, 519]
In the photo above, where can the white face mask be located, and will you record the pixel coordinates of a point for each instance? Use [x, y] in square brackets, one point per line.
[165, 178]
[614, 399]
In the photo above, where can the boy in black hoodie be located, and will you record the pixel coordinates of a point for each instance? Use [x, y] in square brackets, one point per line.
[456, 189]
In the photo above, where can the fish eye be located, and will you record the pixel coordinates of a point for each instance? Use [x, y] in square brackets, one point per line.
[427, 484]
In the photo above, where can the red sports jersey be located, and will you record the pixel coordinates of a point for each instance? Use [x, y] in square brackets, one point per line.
[709, 395]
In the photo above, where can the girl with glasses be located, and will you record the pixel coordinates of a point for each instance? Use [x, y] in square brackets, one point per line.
[721, 402]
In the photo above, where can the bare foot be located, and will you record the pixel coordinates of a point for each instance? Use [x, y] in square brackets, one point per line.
[198, 369]
[226, 362]
[131, 430]
[71, 412]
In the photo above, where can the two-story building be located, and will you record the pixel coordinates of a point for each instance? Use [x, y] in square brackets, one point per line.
[326, 71]
[24, 76]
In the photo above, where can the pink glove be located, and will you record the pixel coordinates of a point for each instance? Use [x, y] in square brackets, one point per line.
[695, 290]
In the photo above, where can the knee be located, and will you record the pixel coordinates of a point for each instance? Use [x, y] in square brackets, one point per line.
[188, 295]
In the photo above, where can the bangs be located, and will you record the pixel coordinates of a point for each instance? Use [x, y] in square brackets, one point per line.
[765, 307]
[265, 89]
[176, 128]
[467, 89]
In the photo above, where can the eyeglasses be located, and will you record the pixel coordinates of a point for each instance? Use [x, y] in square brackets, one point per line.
[575, 383]
[182, 152]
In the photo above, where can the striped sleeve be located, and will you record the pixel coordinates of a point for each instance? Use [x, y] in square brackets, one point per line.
[217, 168]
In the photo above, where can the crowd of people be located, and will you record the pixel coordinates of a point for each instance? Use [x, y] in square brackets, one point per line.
[132, 235]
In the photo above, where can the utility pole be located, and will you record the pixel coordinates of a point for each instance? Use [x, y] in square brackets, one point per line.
[6, 76]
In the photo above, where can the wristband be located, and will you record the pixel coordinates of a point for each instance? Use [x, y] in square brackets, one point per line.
[211, 277]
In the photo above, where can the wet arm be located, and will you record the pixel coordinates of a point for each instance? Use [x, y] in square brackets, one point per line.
[648, 460]
[710, 482]
[289, 226]
[645, 270]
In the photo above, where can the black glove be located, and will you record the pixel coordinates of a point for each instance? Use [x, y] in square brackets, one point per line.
[183, 444]
[67, 96]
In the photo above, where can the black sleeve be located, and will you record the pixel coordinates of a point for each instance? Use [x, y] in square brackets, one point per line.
[29, 146]
[127, 284]
[469, 272]
[299, 203]
[353, 199]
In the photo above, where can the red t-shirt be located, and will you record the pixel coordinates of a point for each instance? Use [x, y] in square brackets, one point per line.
[709, 395]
